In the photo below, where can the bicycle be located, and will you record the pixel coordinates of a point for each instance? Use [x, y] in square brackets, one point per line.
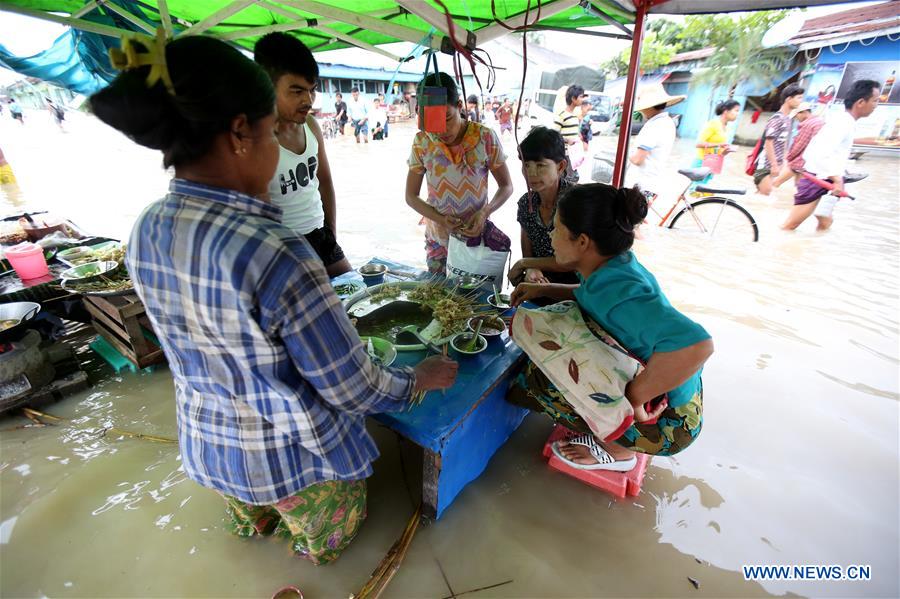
[329, 127]
[711, 215]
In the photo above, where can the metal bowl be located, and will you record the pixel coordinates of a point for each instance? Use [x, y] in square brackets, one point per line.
[17, 315]
[487, 332]
[372, 274]
[504, 299]
[372, 269]
[462, 338]
[92, 271]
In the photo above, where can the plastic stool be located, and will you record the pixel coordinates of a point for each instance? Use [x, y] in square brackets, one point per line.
[114, 357]
[111, 355]
[619, 484]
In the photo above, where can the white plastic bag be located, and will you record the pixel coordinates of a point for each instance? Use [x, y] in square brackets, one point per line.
[479, 261]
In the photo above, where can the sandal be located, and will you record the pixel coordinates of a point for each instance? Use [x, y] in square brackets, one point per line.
[605, 461]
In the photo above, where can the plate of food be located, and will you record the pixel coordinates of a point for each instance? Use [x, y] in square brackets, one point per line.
[92, 271]
[76, 256]
[345, 290]
[118, 283]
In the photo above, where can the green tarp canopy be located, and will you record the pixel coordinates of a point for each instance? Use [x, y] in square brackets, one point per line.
[328, 24]
[331, 24]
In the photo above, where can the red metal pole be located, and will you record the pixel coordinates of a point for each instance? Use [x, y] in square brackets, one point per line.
[630, 88]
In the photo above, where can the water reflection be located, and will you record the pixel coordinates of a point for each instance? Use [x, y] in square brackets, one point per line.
[12, 195]
[6, 528]
[127, 499]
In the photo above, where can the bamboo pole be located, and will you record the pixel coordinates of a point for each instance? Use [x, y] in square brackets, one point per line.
[389, 566]
[35, 415]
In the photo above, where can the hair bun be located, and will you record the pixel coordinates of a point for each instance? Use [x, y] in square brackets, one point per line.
[630, 208]
[146, 115]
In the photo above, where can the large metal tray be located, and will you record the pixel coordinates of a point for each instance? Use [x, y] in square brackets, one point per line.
[360, 304]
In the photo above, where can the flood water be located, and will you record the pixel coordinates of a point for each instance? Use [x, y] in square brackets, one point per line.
[797, 463]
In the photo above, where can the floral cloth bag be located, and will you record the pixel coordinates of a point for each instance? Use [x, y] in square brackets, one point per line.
[582, 361]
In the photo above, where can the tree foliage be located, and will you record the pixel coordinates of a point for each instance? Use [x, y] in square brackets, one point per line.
[741, 56]
[654, 54]
[665, 38]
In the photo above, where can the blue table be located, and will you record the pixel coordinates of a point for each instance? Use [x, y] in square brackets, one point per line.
[459, 431]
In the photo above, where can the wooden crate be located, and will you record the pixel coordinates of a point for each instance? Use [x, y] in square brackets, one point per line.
[121, 320]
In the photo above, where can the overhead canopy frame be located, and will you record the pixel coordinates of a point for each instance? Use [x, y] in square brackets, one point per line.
[368, 24]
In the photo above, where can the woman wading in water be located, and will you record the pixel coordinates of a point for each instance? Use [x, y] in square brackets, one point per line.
[272, 383]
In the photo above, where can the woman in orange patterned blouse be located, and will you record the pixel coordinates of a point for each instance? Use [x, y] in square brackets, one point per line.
[455, 165]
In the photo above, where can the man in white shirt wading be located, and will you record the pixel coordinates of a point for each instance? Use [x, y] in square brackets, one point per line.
[378, 115]
[359, 116]
[653, 144]
[302, 186]
[827, 157]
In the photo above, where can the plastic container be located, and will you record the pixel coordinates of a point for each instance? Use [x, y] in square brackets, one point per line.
[28, 260]
[825, 206]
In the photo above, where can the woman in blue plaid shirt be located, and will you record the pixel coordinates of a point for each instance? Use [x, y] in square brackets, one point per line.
[272, 382]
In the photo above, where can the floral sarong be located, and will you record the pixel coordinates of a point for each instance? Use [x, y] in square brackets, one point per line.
[673, 432]
[319, 521]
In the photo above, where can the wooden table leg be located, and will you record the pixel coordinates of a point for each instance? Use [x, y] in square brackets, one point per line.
[431, 474]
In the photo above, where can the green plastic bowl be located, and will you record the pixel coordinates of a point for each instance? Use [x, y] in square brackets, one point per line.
[384, 349]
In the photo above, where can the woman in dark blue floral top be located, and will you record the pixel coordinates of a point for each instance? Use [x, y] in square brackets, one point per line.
[543, 156]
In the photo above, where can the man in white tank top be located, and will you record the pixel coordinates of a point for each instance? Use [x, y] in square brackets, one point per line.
[302, 186]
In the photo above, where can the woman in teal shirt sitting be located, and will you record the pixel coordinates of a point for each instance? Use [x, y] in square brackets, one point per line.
[592, 235]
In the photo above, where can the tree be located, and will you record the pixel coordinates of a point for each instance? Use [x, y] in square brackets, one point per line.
[654, 54]
[667, 32]
[739, 52]
[737, 43]
[704, 31]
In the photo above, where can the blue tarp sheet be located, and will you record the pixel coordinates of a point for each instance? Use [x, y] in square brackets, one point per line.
[76, 61]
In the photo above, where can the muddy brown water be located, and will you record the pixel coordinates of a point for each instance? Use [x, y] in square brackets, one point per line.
[797, 462]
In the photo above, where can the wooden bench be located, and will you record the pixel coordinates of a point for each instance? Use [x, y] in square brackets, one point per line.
[122, 321]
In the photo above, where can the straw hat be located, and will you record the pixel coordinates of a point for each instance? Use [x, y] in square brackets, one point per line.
[654, 95]
[803, 106]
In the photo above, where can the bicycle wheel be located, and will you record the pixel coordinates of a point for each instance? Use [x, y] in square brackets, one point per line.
[717, 217]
